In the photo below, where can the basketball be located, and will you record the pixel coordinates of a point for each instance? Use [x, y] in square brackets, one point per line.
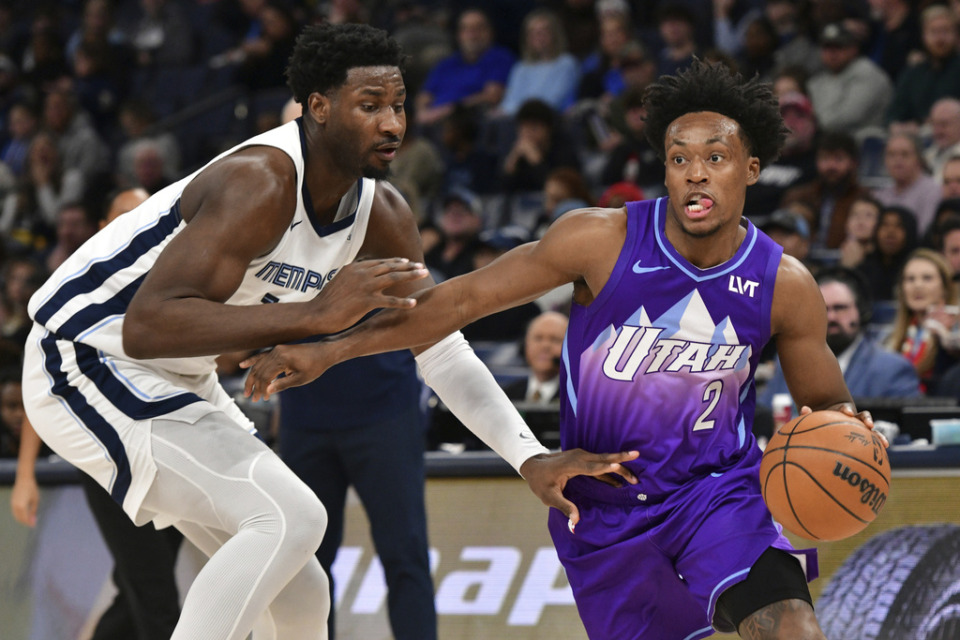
[825, 476]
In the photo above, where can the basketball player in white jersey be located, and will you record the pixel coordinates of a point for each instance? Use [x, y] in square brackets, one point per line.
[119, 375]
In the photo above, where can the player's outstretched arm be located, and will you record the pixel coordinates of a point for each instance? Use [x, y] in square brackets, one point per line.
[567, 253]
[25, 496]
[799, 321]
[237, 210]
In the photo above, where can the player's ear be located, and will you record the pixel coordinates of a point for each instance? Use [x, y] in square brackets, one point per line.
[318, 107]
[753, 170]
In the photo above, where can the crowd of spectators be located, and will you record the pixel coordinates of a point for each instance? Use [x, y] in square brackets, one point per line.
[518, 111]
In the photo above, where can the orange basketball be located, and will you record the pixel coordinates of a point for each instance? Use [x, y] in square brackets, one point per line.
[825, 476]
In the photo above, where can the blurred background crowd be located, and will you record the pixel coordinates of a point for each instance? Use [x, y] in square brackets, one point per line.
[518, 111]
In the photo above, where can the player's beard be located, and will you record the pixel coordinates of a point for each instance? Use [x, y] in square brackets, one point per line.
[372, 172]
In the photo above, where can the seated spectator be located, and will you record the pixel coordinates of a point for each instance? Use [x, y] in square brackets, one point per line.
[619, 194]
[137, 123]
[789, 230]
[851, 93]
[22, 276]
[537, 149]
[80, 146]
[869, 369]
[418, 171]
[861, 226]
[834, 189]
[545, 70]
[895, 238]
[475, 76]
[600, 71]
[791, 80]
[22, 124]
[263, 62]
[797, 163]
[30, 211]
[459, 224]
[937, 76]
[99, 89]
[631, 158]
[149, 169]
[564, 190]
[950, 243]
[950, 178]
[509, 324]
[468, 164]
[933, 238]
[160, 33]
[760, 42]
[925, 286]
[676, 25]
[11, 413]
[913, 187]
[542, 347]
[944, 134]
[75, 225]
[897, 36]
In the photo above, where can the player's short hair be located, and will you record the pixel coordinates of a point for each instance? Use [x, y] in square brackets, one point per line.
[325, 53]
[714, 87]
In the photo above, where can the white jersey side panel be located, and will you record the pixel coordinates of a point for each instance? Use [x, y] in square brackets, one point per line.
[85, 300]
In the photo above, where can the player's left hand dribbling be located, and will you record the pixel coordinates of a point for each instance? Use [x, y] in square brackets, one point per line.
[863, 416]
[547, 475]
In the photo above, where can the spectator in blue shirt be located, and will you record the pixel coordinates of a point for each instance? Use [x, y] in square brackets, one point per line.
[475, 76]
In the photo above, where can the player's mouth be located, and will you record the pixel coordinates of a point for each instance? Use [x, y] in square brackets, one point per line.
[698, 206]
[387, 152]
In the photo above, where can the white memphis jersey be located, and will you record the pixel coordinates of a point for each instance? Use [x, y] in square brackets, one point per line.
[86, 298]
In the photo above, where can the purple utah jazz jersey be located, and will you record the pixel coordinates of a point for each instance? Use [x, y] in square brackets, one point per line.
[662, 361]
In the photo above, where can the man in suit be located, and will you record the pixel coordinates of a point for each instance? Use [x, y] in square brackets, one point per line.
[869, 369]
[542, 346]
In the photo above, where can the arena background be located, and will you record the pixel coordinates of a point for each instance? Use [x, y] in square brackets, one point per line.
[496, 573]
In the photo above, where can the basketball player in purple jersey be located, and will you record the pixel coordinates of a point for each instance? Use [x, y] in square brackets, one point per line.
[673, 301]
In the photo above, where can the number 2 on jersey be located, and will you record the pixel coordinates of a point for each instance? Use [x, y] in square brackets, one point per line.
[711, 395]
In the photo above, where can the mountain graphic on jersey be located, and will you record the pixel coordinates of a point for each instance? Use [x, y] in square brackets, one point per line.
[683, 339]
[683, 361]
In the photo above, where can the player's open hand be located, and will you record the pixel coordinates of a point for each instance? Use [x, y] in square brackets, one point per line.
[547, 475]
[299, 364]
[23, 501]
[360, 287]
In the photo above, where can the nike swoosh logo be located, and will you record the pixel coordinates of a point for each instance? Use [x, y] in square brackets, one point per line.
[526, 436]
[641, 270]
[295, 224]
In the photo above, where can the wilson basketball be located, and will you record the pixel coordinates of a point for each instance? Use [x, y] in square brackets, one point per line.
[825, 476]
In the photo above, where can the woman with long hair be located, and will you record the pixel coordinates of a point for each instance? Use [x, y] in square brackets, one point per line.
[925, 287]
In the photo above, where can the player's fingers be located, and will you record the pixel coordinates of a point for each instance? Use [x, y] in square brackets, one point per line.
[394, 302]
[866, 418]
[804, 410]
[252, 360]
[401, 276]
[573, 517]
[606, 463]
[289, 379]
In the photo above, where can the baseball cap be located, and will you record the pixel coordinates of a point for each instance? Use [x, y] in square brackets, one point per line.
[465, 196]
[785, 220]
[619, 193]
[836, 34]
[796, 100]
[504, 238]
